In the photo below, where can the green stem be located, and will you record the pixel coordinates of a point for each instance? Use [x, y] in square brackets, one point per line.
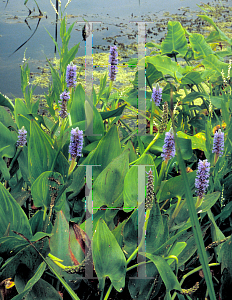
[192, 272]
[137, 112]
[178, 207]
[152, 115]
[125, 125]
[19, 150]
[161, 175]
[148, 148]
[108, 292]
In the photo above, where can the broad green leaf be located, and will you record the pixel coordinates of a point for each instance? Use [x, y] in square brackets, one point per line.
[152, 74]
[130, 191]
[79, 243]
[77, 111]
[208, 201]
[103, 81]
[157, 229]
[186, 148]
[12, 213]
[108, 257]
[61, 237]
[6, 118]
[41, 153]
[37, 223]
[107, 149]
[20, 109]
[213, 63]
[93, 118]
[175, 41]
[108, 186]
[139, 288]
[47, 187]
[23, 164]
[37, 288]
[174, 187]
[26, 254]
[198, 140]
[200, 48]
[165, 65]
[5, 101]
[192, 78]
[4, 170]
[30, 282]
[226, 269]
[221, 34]
[8, 140]
[70, 55]
[165, 272]
[112, 113]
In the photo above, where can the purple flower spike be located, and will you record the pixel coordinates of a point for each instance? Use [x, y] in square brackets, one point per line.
[22, 137]
[156, 95]
[169, 149]
[71, 75]
[64, 97]
[218, 143]
[76, 143]
[202, 178]
[113, 63]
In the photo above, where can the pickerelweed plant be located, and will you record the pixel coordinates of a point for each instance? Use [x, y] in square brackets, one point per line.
[75, 186]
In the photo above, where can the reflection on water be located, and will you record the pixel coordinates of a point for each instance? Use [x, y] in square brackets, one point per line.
[118, 26]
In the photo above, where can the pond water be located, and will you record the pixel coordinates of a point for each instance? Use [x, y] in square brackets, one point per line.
[116, 25]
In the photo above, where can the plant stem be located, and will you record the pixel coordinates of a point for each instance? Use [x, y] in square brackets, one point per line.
[151, 120]
[192, 272]
[148, 148]
[108, 292]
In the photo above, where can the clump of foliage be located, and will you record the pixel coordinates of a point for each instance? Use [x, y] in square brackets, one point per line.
[87, 213]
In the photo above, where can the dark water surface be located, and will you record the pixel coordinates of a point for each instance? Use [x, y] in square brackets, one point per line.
[116, 18]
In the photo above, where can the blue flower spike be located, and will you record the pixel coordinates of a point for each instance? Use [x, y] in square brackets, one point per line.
[169, 149]
[202, 180]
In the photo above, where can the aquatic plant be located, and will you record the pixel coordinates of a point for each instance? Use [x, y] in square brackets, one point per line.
[87, 217]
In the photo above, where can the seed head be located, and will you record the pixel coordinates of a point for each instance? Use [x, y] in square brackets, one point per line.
[150, 190]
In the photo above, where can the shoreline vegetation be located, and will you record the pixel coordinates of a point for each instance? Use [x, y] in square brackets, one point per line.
[94, 207]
